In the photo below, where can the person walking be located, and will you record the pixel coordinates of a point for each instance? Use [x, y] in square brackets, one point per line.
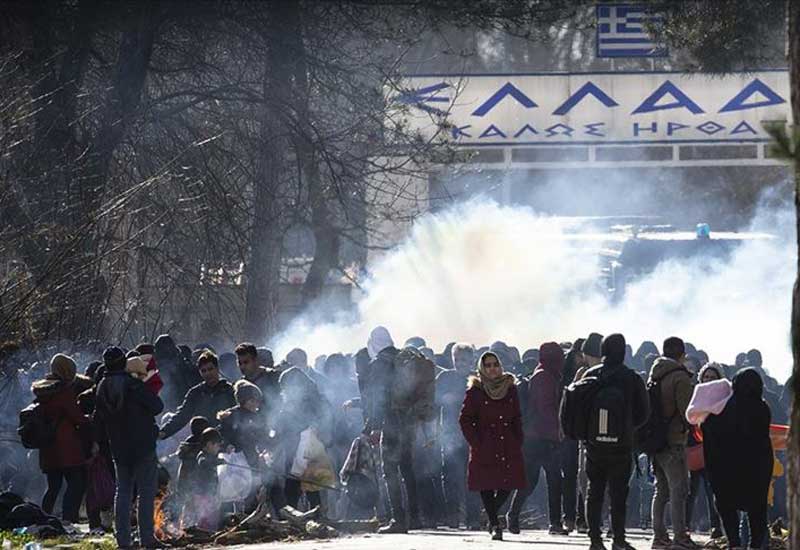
[491, 422]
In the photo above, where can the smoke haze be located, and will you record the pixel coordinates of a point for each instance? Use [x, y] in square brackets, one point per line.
[480, 272]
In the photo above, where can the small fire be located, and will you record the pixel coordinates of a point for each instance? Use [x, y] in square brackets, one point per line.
[159, 517]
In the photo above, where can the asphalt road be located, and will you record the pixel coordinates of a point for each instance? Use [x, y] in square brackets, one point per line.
[442, 539]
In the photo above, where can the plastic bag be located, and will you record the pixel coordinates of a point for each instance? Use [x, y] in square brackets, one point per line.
[308, 447]
[101, 487]
[235, 478]
[311, 463]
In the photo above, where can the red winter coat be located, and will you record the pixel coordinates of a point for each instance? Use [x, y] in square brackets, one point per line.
[544, 395]
[493, 429]
[60, 402]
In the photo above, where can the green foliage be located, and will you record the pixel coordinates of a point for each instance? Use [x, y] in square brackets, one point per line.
[17, 541]
[786, 143]
[726, 36]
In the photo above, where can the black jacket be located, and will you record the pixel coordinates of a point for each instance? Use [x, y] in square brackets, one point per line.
[635, 394]
[376, 391]
[246, 431]
[125, 412]
[201, 400]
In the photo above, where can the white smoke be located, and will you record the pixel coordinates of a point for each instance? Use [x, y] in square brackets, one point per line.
[480, 272]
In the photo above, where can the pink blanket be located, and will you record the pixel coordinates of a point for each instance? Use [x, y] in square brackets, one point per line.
[708, 398]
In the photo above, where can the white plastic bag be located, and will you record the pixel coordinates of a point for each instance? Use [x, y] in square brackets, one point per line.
[236, 480]
[310, 449]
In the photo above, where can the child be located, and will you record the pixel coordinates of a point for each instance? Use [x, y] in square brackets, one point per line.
[187, 453]
[206, 480]
[144, 368]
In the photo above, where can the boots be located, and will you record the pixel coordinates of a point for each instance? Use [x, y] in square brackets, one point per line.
[393, 527]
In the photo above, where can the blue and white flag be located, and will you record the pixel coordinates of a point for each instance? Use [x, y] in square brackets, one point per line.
[623, 31]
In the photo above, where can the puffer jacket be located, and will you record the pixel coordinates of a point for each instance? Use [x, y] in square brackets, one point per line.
[59, 402]
[676, 392]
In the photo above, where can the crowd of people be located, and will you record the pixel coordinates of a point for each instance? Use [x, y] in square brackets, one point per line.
[417, 438]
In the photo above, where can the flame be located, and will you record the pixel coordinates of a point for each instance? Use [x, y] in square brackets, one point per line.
[159, 517]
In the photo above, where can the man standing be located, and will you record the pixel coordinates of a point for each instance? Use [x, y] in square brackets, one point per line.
[125, 411]
[669, 464]
[207, 399]
[450, 386]
[266, 378]
[619, 407]
[542, 437]
[591, 357]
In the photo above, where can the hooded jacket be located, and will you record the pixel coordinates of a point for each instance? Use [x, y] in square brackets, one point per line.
[202, 400]
[125, 412]
[737, 446]
[677, 387]
[59, 402]
[544, 395]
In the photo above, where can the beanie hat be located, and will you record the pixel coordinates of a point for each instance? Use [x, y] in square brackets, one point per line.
[592, 345]
[145, 348]
[198, 424]
[63, 367]
[114, 358]
[244, 391]
[415, 342]
[613, 349]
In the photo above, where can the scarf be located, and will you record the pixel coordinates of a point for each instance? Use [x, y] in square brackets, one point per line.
[496, 389]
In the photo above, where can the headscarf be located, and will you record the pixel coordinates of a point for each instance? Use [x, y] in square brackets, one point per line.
[63, 367]
[496, 389]
[379, 340]
[716, 367]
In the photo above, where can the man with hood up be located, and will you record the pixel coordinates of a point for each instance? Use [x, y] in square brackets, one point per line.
[610, 465]
[397, 432]
[542, 437]
[125, 412]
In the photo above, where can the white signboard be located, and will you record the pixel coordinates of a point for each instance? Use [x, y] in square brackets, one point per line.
[599, 108]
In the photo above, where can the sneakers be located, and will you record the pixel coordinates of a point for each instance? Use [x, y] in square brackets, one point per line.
[597, 545]
[97, 532]
[625, 545]
[661, 543]
[557, 530]
[512, 523]
[497, 533]
[569, 526]
[685, 544]
[393, 528]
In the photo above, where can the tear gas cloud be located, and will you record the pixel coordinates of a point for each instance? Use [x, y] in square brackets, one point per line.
[480, 272]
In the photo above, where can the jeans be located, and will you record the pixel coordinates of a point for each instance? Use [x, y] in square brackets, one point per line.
[569, 479]
[540, 453]
[144, 476]
[397, 454]
[454, 481]
[611, 469]
[672, 485]
[73, 496]
[694, 487]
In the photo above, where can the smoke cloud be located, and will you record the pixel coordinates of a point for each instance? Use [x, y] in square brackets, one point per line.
[480, 272]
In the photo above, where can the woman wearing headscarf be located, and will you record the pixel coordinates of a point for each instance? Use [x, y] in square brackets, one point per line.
[64, 459]
[739, 457]
[491, 422]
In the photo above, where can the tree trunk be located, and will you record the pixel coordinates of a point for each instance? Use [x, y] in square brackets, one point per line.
[793, 454]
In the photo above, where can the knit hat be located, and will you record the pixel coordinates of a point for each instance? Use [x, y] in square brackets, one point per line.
[415, 342]
[114, 359]
[198, 424]
[63, 367]
[592, 345]
[612, 349]
[243, 391]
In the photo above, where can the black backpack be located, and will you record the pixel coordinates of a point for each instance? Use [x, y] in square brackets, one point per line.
[575, 408]
[36, 431]
[610, 414]
[653, 436]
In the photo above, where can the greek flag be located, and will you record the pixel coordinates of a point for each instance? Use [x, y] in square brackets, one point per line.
[622, 31]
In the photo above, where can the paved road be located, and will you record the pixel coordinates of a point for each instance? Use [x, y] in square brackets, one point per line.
[445, 539]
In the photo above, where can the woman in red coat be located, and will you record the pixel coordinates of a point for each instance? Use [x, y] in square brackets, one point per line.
[492, 425]
[65, 458]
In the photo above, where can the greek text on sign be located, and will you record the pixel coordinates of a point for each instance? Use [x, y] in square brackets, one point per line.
[598, 108]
